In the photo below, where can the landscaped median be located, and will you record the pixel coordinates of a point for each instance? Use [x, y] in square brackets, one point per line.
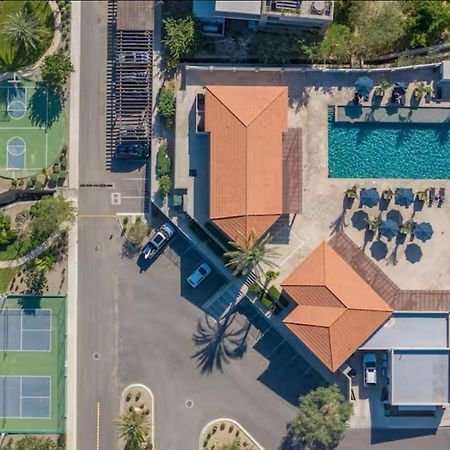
[135, 425]
[227, 434]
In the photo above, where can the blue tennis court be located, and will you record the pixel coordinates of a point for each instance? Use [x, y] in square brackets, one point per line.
[25, 329]
[25, 397]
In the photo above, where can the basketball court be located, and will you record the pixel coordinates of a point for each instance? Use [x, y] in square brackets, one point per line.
[32, 128]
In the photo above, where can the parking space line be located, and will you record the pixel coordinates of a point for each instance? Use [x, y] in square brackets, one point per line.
[292, 360]
[276, 348]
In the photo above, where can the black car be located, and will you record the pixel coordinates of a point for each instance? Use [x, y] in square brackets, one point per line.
[133, 150]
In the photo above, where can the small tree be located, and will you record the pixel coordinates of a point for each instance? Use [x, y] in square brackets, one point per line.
[6, 234]
[134, 428]
[56, 69]
[165, 185]
[137, 232]
[382, 88]
[388, 194]
[180, 38]
[352, 192]
[322, 417]
[166, 105]
[36, 281]
[373, 223]
[421, 89]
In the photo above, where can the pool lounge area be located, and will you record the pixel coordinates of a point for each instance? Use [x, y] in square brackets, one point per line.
[381, 145]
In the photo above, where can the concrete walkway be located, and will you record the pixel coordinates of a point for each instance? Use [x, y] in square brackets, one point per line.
[33, 254]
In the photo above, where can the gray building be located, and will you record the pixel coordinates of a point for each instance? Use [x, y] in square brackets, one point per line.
[287, 16]
[417, 348]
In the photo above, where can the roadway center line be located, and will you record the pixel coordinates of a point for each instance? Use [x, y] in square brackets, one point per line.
[98, 425]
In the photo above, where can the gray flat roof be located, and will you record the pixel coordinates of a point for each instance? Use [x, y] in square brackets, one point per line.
[411, 330]
[420, 377]
[238, 7]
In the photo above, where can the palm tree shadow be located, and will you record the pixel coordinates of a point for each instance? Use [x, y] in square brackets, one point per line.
[46, 106]
[219, 343]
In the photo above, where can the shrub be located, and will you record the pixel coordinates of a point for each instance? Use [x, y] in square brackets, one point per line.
[13, 183]
[39, 185]
[29, 184]
[163, 161]
[62, 175]
[54, 177]
[165, 184]
[166, 105]
[34, 179]
[125, 221]
[63, 162]
[56, 168]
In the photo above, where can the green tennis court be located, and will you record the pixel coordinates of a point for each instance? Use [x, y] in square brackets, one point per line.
[32, 371]
[32, 128]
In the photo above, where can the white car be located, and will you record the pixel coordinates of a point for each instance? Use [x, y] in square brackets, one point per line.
[370, 369]
[158, 240]
[199, 274]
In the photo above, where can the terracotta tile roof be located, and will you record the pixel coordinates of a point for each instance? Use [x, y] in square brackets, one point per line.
[245, 125]
[337, 309]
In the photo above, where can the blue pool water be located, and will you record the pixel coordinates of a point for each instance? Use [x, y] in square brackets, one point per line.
[388, 150]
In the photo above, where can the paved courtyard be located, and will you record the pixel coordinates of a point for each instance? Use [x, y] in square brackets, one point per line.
[310, 95]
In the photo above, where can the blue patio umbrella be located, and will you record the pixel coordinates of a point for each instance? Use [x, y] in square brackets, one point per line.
[389, 229]
[413, 253]
[378, 250]
[423, 231]
[363, 85]
[370, 197]
[400, 87]
[404, 197]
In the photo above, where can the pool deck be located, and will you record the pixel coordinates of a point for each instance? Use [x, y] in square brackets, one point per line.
[322, 218]
[392, 114]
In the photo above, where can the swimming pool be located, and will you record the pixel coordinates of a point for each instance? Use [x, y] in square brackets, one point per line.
[388, 150]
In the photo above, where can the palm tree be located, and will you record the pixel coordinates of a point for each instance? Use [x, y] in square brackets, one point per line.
[420, 89]
[382, 88]
[134, 428]
[250, 255]
[373, 223]
[24, 30]
[352, 192]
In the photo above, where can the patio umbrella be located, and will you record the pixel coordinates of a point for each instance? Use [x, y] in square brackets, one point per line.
[423, 231]
[413, 253]
[400, 87]
[359, 219]
[378, 250]
[363, 85]
[389, 229]
[370, 197]
[404, 197]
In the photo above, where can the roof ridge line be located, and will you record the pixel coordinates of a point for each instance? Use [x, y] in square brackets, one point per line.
[269, 104]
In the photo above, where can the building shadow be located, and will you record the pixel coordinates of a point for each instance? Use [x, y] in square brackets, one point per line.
[218, 343]
[378, 436]
[280, 230]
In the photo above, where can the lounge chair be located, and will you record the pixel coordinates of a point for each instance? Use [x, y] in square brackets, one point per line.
[441, 197]
[431, 196]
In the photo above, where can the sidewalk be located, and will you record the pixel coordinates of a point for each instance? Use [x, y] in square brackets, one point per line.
[72, 192]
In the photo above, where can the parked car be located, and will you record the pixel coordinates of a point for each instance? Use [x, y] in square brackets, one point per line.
[199, 274]
[158, 241]
[133, 150]
[370, 369]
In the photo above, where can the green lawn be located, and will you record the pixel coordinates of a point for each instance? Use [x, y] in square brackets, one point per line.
[40, 363]
[43, 12]
[15, 249]
[6, 276]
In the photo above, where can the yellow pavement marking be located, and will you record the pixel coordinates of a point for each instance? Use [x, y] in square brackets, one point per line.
[98, 425]
[97, 216]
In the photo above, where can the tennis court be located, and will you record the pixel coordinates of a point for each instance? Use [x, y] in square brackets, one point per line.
[25, 397]
[32, 128]
[25, 329]
[32, 367]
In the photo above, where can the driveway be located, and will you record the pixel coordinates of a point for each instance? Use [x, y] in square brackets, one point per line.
[236, 369]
